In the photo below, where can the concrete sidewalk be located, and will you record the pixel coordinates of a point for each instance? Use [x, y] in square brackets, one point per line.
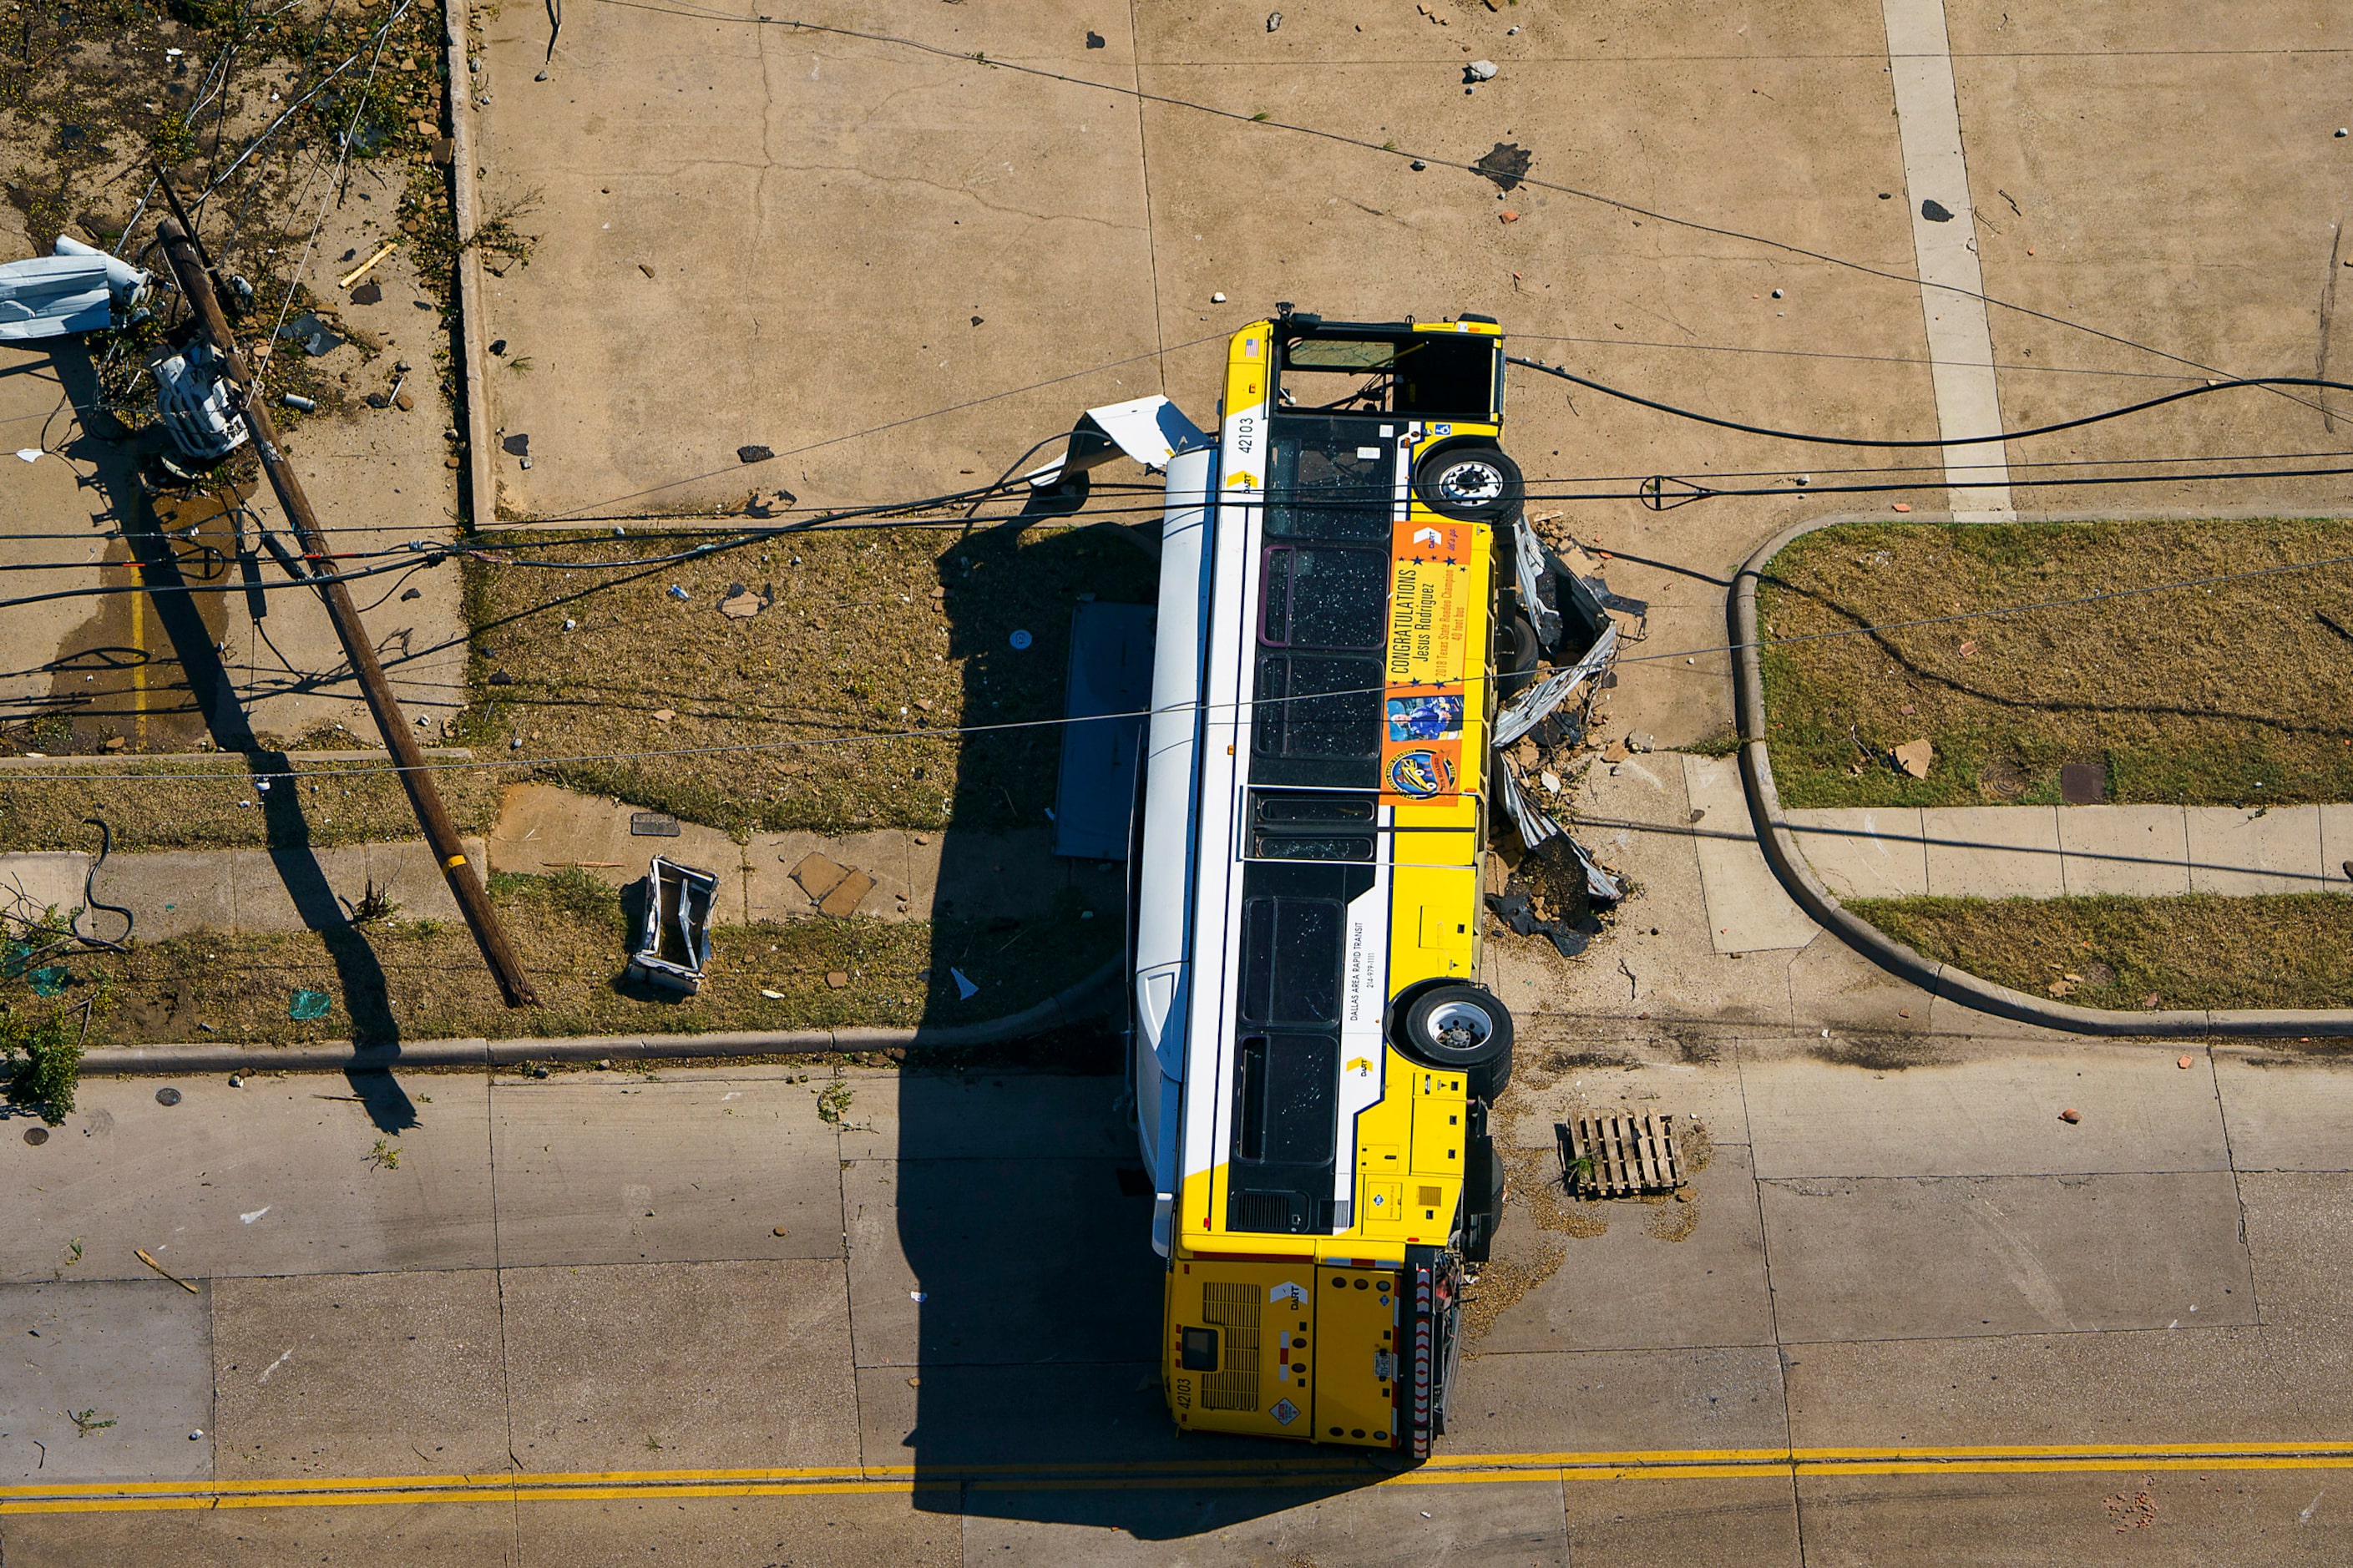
[541, 829]
[2053, 851]
[173, 893]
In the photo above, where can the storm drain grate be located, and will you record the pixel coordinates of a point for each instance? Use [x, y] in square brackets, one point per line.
[1619, 1156]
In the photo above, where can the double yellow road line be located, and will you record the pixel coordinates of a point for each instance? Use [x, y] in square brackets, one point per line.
[1308, 1473]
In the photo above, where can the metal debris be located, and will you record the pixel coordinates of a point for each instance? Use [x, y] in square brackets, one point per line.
[192, 404]
[313, 334]
[674, 942]
[79, 289]
[1523, 713]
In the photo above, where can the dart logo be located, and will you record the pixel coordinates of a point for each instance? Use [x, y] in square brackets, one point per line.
[1422, 774]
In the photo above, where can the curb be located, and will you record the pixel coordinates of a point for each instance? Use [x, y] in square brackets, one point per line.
[1939, 979]
[481, 498]
[1076, 1004]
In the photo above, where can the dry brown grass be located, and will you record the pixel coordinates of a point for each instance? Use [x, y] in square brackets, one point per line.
[424, 980]
[2288, 950]
[857, 642]
[361, 803]
[2237, 692]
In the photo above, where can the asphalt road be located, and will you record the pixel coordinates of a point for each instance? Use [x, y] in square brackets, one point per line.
[1910, 1315]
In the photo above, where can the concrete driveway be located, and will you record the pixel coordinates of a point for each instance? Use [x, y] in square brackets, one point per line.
[754, 233]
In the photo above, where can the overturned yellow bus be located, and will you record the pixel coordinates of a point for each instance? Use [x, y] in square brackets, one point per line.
[1312, 1057]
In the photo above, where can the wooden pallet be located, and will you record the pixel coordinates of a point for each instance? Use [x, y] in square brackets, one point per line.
[1619, 1156]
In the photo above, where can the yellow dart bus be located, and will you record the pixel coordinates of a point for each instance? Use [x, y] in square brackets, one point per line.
[1312, 1057]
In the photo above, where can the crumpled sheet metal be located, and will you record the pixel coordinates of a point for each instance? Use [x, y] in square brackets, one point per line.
[192, 403]
[1531, 569]
[77, 290]
[1538, 828]
[1526, 710]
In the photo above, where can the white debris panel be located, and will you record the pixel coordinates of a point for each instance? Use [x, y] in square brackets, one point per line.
[80, 288]
[1149, 429]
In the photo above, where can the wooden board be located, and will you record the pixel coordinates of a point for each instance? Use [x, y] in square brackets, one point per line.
[1618, 1155]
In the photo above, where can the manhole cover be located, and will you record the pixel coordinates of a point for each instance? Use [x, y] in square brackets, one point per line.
[168, 1096]
[2003, 779]
[2083, 784]
[652, 824]
[37, 1136]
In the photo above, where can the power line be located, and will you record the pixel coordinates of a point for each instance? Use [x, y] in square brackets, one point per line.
[1931, 363]
[2157, 401]
[1014, 725]
[1652, 493]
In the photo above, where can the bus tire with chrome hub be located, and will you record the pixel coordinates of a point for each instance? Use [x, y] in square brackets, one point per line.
[1460, 1029]
[1470, 483]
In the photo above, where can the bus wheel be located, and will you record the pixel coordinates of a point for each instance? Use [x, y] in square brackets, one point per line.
[1472, 484]
[1459, 1027]
[1516, 652]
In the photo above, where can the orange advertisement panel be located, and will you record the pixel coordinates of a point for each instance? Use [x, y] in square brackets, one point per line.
[1427, 661]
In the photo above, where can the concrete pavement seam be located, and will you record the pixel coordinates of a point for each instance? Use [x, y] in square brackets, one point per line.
[1073, 1004]
[2238, 1190]
[1942, 980]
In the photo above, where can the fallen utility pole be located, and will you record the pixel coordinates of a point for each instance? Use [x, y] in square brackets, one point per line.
[196, 282]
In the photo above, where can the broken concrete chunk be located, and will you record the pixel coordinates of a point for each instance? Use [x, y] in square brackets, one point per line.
[741, 604]
[819, 875]
[1479, 70]
[847, 895]
[1914, 757]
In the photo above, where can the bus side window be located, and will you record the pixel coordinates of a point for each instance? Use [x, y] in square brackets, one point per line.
[1291, 961]
[1318, 707]
[1324, 597]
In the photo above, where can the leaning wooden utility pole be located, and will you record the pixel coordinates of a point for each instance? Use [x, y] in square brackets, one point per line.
[196, 283]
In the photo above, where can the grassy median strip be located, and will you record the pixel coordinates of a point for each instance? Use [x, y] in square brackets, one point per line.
[2199, 950]
[2237, 692]
[891, 634]
[398, 979]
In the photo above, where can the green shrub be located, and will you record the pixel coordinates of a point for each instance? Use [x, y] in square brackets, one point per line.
[42, 1059]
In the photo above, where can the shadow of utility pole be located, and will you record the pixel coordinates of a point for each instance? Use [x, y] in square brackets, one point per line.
[359, 972]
